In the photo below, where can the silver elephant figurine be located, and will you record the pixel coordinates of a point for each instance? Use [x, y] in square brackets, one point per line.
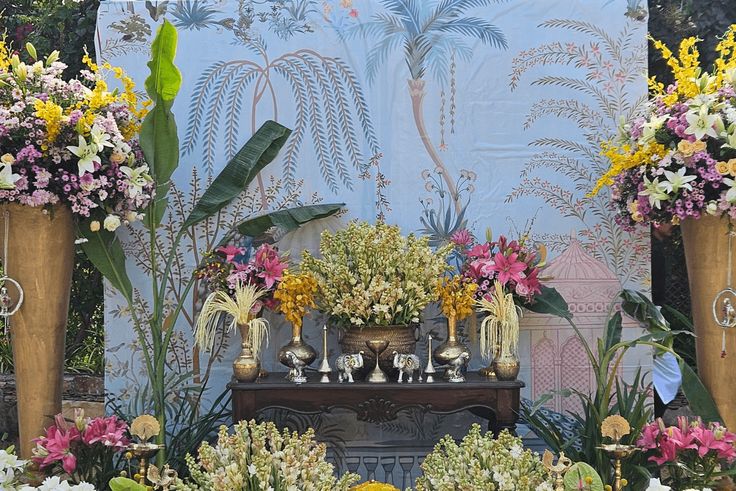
[346, 365]
[296, 370]
[407, 364]
[454, 371]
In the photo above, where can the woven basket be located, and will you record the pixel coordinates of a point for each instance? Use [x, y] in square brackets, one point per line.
[402, 339]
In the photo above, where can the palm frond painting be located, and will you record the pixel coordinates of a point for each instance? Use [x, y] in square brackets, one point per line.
[331, 109]
[431, 35]
[609, 70]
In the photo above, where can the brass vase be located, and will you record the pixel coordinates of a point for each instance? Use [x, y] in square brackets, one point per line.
[451, 350]
[246, 367]
[706, 254]
[40, 259]
[506, 367]
[304, 353]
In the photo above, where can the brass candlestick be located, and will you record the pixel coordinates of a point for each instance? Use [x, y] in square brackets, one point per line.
[143, 452]
[616, 427]
[557, 470]
[429, 371]
[377, 346]
[324, 366]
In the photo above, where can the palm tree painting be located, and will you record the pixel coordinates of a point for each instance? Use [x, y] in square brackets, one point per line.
[431, 35]
[330, 107]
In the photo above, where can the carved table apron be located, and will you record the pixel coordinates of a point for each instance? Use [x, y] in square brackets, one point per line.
[498, 402]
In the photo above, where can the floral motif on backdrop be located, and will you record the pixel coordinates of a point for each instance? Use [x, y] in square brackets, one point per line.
[412, 136]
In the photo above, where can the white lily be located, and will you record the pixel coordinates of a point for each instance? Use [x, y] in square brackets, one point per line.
[731, 193]
[656, 192]
[7, 178]
[99, 137]
[701, 123]
[137, 179]
[730, 136]
[677, 180]
[656, 485]
[649, 129]
[87, 154]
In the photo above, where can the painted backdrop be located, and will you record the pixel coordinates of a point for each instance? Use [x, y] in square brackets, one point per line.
[432, 114]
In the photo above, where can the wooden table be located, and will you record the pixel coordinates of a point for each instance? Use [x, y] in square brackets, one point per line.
[498, 402]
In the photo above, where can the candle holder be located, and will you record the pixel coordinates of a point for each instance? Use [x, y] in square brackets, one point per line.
[324, 366]
[558, 470]
[616, 427]
[377, 346]
[143, 453]
[429, 371]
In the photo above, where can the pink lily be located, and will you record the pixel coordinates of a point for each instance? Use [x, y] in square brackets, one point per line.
[272, 271]
[265, 253]
[508, 268]
[230, 252]
[480, 251]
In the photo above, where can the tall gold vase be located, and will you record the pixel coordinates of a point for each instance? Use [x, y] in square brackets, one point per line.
[246, 366]
[41, 259]
[706, 253]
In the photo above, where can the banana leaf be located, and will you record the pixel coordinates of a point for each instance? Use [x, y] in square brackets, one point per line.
[104, 250]
[288, 219]
[549, 301]
[256, 154]
[158, 138]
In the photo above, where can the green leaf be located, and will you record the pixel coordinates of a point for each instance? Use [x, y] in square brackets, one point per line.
[165, 79]
[613, 331]
[158, 138]
[286, 220]
[639, 307]
[577, 473]
[701, 402]
[550, 302]
[256, 154]
[104, 251]
[125, 484]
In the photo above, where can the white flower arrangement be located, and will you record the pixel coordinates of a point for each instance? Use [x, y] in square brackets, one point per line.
[483, 463]
[371, 275]
[12, 468]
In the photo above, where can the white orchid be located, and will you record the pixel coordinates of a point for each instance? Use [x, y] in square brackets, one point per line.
[7, 178]
[677, 180]
[87, 154]
[700, 123]
[137, 179]
[656, 192]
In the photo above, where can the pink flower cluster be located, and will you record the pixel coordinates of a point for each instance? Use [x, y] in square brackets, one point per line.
[513, 264]
[668, 444]
[229, 265]
[64, 442]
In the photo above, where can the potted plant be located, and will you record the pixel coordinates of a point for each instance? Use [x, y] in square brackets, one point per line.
[676, 164]
[374, 283]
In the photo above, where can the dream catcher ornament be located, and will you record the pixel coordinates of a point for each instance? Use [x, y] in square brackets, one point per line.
[8, 307]
[724, 303]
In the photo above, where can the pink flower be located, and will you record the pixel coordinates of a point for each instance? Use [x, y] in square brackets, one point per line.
[230, 252]
[462, 238]
[272, 271]
[265, 253]
[108, 431]
[508, 268]
[708, 441]
[56, 447]
[480, 251]
[649, 435]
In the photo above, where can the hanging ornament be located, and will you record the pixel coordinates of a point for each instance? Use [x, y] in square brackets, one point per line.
[724, 312]
[7, 308]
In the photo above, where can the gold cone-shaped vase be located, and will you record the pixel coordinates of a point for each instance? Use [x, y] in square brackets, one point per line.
[706, 253]
[40, 259]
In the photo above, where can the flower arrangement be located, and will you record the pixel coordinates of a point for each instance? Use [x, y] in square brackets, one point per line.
[515, 265]
[11, 469]
[371, 275]
[71, 142]
[690, 454]
[483, 463]
[227, 266]
[256, 457]
[499, 329]
[295, 295]
[84, 450]
[242, 307]
[678, 159]
[456, 296]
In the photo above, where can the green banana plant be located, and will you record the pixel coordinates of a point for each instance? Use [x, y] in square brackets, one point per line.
[160, 145]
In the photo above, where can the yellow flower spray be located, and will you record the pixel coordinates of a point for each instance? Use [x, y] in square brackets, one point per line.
[456, 297]
[296, 293]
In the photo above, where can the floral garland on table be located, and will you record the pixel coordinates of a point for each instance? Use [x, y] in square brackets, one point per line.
[71, 142]
[678, 159]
